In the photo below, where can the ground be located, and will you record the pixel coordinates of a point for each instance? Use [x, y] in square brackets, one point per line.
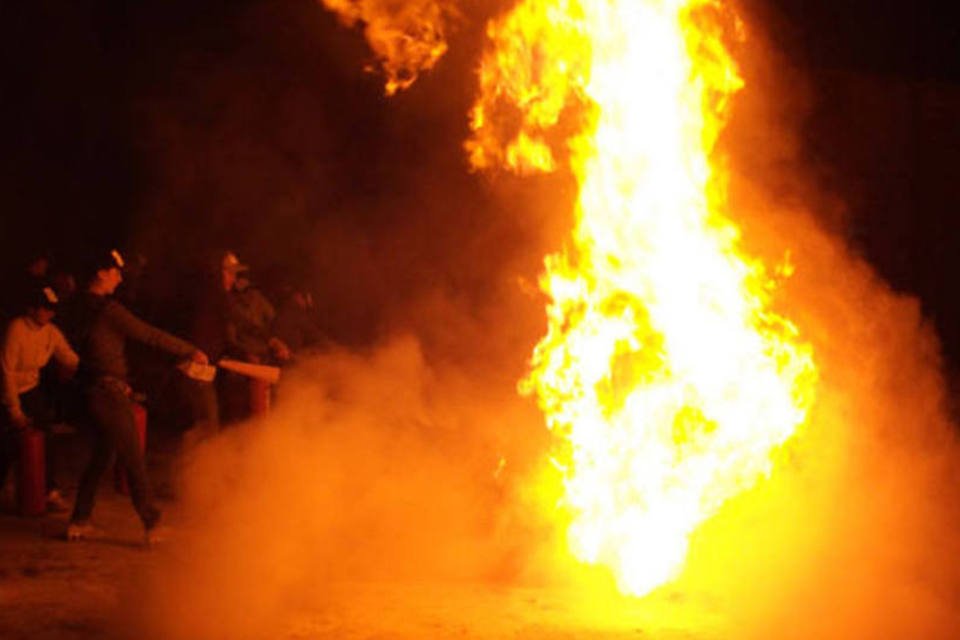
[50, 588]
[53, 589]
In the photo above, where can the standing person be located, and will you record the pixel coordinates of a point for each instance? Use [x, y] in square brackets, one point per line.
[221, 328]
[99, 328]
[213, 329]
[214, 322]
[253, 317]
[31, 341]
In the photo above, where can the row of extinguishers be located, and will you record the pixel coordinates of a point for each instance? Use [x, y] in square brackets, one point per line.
[31, 472]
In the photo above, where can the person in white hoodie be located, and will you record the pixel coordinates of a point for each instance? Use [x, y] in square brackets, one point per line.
[30, 342]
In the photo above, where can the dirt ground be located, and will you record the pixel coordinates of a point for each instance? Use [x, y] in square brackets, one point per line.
[53, 589]
[50, 588]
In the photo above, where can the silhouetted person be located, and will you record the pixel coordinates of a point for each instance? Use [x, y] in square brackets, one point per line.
[213, 329]
[99, 327]
[221, 329]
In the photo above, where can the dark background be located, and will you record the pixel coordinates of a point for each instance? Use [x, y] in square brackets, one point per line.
[174, 126]
[884, 134]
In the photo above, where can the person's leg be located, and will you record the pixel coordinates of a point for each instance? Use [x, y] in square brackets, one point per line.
[100, 457]
[112, 411]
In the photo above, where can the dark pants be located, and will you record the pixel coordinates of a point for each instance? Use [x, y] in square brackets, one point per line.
[110, 413]
[202, 401]
[37, 407]
[233, 391]
[204, 409]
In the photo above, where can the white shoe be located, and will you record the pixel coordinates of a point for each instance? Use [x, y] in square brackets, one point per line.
[155, 535]
[82, 530]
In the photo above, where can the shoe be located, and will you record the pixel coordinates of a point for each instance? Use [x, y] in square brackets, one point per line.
[157, 534]
[82, 530]
[56, 503]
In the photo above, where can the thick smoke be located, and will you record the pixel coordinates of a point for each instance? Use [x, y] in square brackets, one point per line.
[853, 536]
[373, 467]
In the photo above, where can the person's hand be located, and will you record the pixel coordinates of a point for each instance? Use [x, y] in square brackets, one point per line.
[19, 420]
[200, 357]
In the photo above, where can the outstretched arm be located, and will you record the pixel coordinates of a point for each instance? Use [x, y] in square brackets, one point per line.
[135, 328]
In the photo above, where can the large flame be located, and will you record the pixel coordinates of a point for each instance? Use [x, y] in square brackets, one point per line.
[666, 374]
[668, 378]
[408, 37]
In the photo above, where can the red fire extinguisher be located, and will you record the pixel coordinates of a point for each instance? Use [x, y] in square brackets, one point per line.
[31, 477]
[259, 397]
[140, 421]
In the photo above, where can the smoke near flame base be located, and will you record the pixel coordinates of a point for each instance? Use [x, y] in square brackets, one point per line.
[664, 371]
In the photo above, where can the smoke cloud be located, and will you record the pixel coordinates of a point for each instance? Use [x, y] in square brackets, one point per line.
[373, 467]
[852, 537]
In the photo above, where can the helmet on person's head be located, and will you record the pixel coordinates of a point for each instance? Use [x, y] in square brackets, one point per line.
[43, 298]
[229, 269]
[100, 260]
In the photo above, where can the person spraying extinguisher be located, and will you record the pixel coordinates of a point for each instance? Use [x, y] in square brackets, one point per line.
[100, 327]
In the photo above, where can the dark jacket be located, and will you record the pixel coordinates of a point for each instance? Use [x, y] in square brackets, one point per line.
[213, 326]
[253, 317]
[99, 327]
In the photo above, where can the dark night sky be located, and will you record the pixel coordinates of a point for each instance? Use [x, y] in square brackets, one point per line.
[177, 124]
[906, 39]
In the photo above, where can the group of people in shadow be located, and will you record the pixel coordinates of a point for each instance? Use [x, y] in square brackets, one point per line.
[66, 357]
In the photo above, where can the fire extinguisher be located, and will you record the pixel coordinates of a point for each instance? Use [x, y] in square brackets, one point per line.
[259, 397]
[119, 472]
[31, 480]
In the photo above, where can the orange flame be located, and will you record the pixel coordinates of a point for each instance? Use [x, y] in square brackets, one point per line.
[408, 37]
[664, 372]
